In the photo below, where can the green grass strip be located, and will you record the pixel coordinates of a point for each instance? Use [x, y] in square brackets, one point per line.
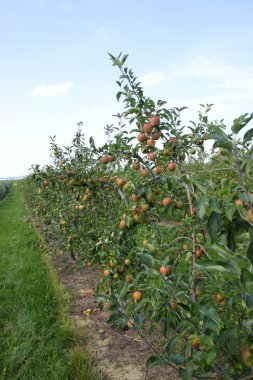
[37, 340]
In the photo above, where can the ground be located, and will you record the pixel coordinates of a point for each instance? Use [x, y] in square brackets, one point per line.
[119, 355]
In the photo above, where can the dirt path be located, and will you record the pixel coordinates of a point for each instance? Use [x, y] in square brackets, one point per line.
[119, 355]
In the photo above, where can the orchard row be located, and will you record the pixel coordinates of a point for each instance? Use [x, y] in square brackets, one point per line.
[170, 226]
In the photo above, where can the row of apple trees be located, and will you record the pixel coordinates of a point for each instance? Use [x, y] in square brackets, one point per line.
[5, 187]
[170, 226]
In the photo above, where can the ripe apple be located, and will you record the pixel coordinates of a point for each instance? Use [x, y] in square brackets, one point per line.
[198, 253]
[152, 156]
[137, 295]
[122, 225]
[167, 201]
[147, 128]
[155, 135]
[144, 172]
[165, 271]
[104, 159]
[127, 262]
[120, 181]
[136, 218]
[250, 215]
[172, 166]
[45, 182]
[155, 121]
[238, 202]
[173, 305]
[141, 137]
[158, 169]
[111, 157]
[135, 198]
[247, 357]
[219, 297]
[136, 165]
[150, 142]
[107, 272]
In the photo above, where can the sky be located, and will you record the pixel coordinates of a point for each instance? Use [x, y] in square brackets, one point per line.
[55, 70]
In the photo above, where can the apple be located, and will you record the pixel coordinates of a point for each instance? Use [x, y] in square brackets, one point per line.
[150, 142]
[122, 225]
[152, 156]
[155, 135]
[167, 201]
[136, 165]
[247, 357]
[137, 295]
[147, 128]
[141, 137]
[172, 166]
[155, 121]
[165, 271]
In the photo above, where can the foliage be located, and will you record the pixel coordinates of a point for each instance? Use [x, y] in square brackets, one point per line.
[170, 225]
[5, 187]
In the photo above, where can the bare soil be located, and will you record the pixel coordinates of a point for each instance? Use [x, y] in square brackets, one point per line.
[118, 355]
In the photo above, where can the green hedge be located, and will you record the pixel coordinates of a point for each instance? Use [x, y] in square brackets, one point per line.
[5, 187]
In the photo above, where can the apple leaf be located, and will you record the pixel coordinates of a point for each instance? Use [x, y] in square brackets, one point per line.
[250, 248]
[241, 121]
[214, 225]
[186, 373]
[214, 206]
[229, 212]
[203, 202]
[223, 144]
[248, 136]
[155, 360]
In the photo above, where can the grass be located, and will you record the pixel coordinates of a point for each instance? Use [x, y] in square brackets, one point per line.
[37, 340]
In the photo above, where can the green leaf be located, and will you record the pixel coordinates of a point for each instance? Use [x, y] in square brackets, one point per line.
[219, 267]
[154, 361]
[217, 136]
[223, 144]
[241, 122]
[243, 212]
[210, 356]
[248, 136]
[214, 206]
[186, 373]
[176, 359]
[250, 248]
[210, 314]
[124, 58]
[203, 202]
[202, 186]
[214, 225]
[229, 212]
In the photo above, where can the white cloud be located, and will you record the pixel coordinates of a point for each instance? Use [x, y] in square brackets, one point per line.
[225, 75]
[150, 79]
[53, 89]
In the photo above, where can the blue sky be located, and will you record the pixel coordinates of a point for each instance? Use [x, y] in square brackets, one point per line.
[55, 71]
